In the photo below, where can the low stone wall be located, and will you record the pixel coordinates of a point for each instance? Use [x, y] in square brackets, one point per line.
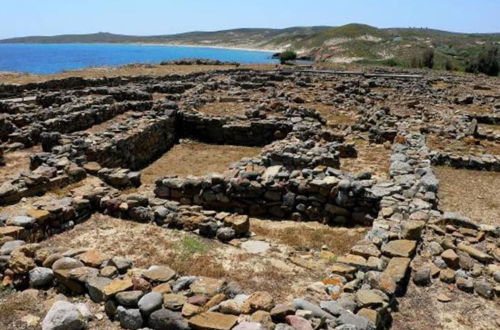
[222, 130]
[7, 91]
[75, 121]
[486, 119]
[138, 145]
[484, 163]
[42, 179]
[292, 179]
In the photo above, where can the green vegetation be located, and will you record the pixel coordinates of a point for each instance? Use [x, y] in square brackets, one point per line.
[487, 61]
[288, 55]
[423, 60]
[191, 245]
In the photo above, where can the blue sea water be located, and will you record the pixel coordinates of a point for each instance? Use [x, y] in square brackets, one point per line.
[53, 58]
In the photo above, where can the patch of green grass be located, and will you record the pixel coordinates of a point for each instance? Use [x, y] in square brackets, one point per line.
[190, 246]
[6, 290]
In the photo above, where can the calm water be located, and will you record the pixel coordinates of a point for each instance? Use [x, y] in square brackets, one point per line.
[52, 58]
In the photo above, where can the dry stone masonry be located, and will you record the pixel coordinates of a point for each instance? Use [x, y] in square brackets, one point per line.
[298, 175]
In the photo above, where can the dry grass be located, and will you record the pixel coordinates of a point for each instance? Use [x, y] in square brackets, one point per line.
[25, 310]
[420, 309]
[125, 71]
[485, 127]
[311, 235]
[14, 306]
[102, 127]
[17, 162]
[472, 193]
[371, 157]
[189, 254]
[224, 109]
[334, 117]
[461, 147]
[195, 158]
[474, 109]
[441, 85]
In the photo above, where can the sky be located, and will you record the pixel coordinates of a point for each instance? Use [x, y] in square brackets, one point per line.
[150, 17]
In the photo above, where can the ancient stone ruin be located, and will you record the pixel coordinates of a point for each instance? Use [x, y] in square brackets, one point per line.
[109, 130]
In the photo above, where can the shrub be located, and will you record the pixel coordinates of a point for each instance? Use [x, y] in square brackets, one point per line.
[288, 55]
[391, 62]
[448, 65]
[485, 62]
[428, 58]
[425, 59]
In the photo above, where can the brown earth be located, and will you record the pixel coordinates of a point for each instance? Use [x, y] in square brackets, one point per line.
[371, 157]
[419, 309]
[195, 158]
[462, 147]
[472, 193]
[17, 162]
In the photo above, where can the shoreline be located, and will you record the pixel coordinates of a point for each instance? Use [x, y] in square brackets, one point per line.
[249, 49]
[205, 46]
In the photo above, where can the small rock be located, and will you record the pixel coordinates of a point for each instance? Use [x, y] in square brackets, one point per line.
[10, 246]
[484, 289]
[451, 258]
[422, 276]
[298, 323]
[443, 298]
[129, 298]
[41, 277]
[66, 263]
[159, 273]
[164, 319]
[150, 302]
[129, 318]
[212, 320]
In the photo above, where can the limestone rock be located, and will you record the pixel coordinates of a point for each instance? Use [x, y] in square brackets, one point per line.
[63, 316]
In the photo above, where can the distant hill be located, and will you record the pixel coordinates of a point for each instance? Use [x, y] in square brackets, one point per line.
[347, 43]
[252, 38]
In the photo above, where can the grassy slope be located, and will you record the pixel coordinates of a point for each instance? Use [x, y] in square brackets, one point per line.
[357, 41]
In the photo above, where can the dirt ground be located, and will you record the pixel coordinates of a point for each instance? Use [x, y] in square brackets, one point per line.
[26, 309]
[420, 310]
[195, 158]
[338, 240]
[102, 127]
[225, 109]
[462, 147]
[283, 270]
[17, 162]
[472, 193]
[371, 157]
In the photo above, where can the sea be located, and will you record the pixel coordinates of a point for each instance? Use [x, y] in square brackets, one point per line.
[54, 58]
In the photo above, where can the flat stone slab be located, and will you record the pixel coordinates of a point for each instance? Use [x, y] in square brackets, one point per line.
[213, 321]
[255, 246]
[399, 248]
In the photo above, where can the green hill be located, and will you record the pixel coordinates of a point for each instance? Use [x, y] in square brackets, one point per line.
[348, 43]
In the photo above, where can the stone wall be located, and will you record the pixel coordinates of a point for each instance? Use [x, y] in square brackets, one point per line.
[222, 130]
[485, 162]
[291, 179]
[138, 146]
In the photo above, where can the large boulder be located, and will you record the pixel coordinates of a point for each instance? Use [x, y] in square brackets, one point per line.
[63, 316]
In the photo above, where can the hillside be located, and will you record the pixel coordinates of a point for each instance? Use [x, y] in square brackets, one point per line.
[348, 43]
[246, 37]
